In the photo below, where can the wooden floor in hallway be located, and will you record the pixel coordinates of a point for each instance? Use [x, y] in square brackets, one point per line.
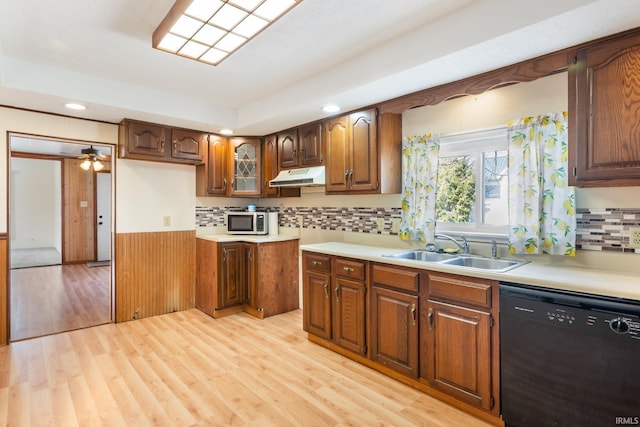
[188, 369]
[48, 300]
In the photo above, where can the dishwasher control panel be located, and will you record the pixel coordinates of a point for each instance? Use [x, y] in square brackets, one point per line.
[608, 319]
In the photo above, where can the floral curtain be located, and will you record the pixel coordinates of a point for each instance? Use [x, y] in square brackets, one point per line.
[419, 181]
[541, 202]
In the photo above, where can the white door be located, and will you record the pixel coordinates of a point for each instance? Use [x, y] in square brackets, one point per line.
[103, 212]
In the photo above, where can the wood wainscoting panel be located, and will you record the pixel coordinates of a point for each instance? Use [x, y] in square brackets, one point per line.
[4, 295]
[155, 273]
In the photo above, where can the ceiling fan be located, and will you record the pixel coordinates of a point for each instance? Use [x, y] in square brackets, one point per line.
[92, 158]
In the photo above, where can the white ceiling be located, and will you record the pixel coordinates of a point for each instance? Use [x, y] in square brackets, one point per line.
[351, 52]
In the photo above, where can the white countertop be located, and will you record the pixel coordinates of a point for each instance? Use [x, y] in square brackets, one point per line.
[250, 238]
[577, 279]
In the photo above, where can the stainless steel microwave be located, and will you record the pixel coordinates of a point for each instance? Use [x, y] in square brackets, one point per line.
[247, 223]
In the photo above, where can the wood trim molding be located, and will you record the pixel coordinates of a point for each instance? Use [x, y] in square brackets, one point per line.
[525, 71]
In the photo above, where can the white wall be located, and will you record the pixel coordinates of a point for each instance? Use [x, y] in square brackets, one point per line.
[36, 211]
[144, 191]
[147, 192]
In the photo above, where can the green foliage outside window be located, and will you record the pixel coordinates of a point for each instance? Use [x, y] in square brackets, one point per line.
[456, 190]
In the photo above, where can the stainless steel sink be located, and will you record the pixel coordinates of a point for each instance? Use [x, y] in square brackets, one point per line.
[471, 261]
[493, 264]
[423, 255]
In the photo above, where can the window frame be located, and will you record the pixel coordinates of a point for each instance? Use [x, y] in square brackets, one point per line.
[474, 143]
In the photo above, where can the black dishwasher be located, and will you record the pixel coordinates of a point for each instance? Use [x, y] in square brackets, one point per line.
[568, 359]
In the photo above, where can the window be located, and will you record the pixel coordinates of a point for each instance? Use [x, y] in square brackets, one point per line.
[472, 193]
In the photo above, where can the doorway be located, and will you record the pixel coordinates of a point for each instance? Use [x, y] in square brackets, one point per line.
[56, 206]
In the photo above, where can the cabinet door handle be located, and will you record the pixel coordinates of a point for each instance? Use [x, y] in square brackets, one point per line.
[349, 269]
[326, 289]
[162, 145]
[317, 263]
[175, 144]
[413, 313]
[224, 254]
[224, 181]
[338, 292]
[430, 316]
[346, 174]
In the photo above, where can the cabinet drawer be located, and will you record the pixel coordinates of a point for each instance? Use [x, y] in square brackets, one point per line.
[317, 262]
[350, 268]
[396, 277]
[476, 292]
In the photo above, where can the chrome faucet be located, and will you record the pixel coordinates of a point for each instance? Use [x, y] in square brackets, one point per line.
[464, 247]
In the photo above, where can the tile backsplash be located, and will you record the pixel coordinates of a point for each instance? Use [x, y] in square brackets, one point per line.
[606, 229]
[598, 229]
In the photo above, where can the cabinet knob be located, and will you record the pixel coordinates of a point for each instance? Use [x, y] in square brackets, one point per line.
[430, 317]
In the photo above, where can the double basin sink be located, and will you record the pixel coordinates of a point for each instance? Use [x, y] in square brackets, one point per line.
[498, 265]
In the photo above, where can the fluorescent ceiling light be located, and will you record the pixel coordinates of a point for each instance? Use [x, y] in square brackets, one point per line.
[210, 30]
[226, 131]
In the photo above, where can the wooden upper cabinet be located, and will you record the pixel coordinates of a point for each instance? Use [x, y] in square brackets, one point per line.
[211, 176]
[269, 165]
[288, 148]
[310, 143]
[300, 147]
[155, 142]
[336, 138]
[245, 167]
[188, 144]
[143, 139]
[604, 113]
[363, 172]
[364, 152]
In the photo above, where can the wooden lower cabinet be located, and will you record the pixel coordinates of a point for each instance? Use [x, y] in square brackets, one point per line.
[259, 278]
[459, 362]
[317, 304]
[394, 330]
[232, 281]
[334, 300]
[434, 331]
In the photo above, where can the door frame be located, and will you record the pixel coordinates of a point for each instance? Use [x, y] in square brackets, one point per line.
[112, 168]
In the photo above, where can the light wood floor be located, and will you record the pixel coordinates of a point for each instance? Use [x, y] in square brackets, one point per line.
[187, 369]
[48, 300]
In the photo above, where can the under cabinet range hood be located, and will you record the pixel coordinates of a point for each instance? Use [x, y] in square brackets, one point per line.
[299, 177]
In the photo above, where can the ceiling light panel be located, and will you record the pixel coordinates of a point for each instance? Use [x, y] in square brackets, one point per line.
[208, 30]
[228, 17]
[203, 10]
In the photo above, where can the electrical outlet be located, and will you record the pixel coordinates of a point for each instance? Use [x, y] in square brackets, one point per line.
[300, 221]
[380, 224]
[634, 237]
[395, 225]
[167, 221]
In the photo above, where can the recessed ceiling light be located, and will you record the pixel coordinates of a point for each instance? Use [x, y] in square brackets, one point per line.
[330, 108]
[226, 131]
[75, 106]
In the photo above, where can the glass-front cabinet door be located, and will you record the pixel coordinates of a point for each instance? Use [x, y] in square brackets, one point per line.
[246, 167]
